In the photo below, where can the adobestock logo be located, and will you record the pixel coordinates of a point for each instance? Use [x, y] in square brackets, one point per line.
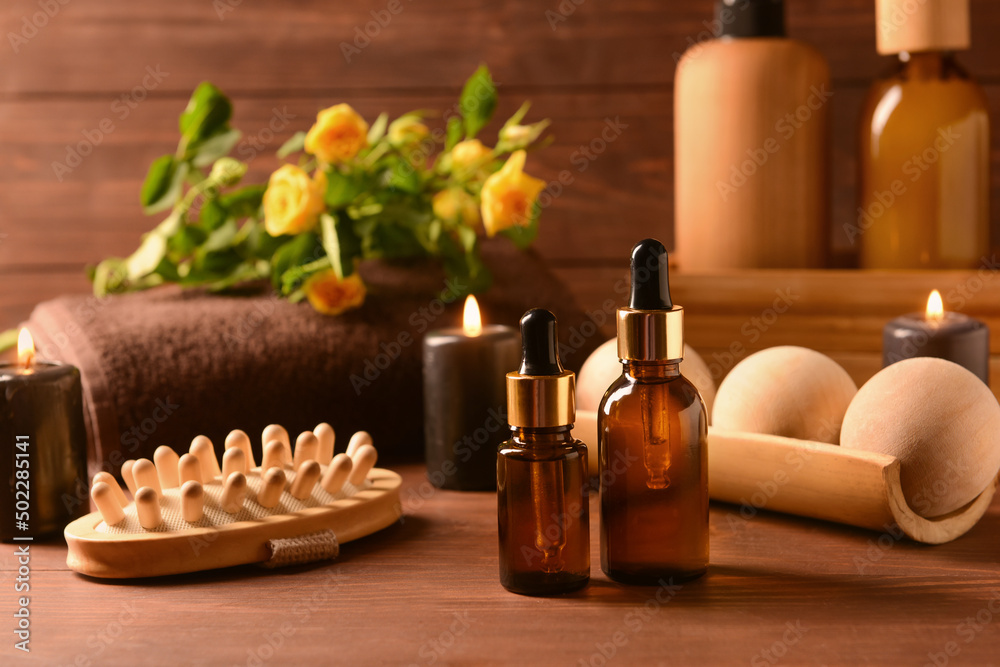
[915, 167]
[121, 108]
[785, 128]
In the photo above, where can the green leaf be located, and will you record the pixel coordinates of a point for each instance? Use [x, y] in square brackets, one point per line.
[207, 114]
[167, 270]
[294, 144]
[331, 244]
[145, 260]
[454, 132]
[467, 237]
[523, 237]
[163, 184]
[110, 277]
[434, 231]
[185, 241]
[479, 277]
[377, 130]
[216, 147]
[174, 192]
[245, 272]
[519, 115]
[260, 244]
[386, 239]
[293, 278]
[153, 248]
[405, 177]
[245, 202]
[218, 256]
[221, 238]
[478, 101]
[212, 214]
[340, 242]
[350, 243]
[465, 266]
[296, 251]
[218, 263]
[342, 189]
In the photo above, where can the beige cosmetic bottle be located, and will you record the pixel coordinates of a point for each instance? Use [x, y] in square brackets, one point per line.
[751, 145]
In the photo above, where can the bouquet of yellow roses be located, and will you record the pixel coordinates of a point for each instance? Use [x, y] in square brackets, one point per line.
[358, 191]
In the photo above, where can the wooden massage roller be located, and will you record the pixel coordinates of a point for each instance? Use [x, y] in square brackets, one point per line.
[917, 447]
[188, 514]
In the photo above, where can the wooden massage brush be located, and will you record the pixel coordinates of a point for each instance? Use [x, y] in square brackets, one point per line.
[188, 514]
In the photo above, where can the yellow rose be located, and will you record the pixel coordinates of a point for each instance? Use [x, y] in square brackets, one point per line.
[469, 154]
[455, 204]
[338, 135]
[293, 201]
[406, 131]
[331, 296]
[509, 196]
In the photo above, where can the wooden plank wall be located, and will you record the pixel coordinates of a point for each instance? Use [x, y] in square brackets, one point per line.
[582, 62]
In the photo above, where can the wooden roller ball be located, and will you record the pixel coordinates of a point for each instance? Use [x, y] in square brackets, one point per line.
[941, 422]
[789, 391]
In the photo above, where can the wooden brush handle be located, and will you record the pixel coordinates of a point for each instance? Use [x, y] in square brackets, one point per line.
[828, 482]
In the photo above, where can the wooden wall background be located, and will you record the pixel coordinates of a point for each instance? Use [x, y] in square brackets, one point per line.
[601, 60]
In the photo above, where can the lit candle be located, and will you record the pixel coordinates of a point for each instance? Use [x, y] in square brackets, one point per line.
[44, 466]
[937, 333]
[465, 400]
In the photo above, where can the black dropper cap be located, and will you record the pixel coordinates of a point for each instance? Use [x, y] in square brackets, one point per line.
[750, 18]
[651, 328]
[650, 277]
[540, 343]
[541, 393]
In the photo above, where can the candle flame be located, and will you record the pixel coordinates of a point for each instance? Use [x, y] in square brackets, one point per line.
[472, 322]
[935, 307]
[25, 349]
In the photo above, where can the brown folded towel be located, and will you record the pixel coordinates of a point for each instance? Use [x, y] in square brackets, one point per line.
[162, 366]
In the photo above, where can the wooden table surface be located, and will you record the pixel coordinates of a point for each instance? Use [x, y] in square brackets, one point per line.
[780, 590]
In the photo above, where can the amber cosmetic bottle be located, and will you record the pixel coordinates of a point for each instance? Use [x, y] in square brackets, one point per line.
[653, 430]
[924, 146]
[542, 505]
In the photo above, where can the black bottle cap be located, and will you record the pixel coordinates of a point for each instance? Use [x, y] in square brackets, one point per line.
[750, 18]
[650, 277]
[540, 344]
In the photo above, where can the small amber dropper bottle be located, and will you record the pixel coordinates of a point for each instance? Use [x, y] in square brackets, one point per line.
[542, 504]
[653, 430]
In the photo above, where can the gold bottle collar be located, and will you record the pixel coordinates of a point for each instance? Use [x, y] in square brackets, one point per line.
[541, 401]
[650, 335]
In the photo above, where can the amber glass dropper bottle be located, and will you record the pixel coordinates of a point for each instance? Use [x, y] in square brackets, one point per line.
[542, 503]
[653, 430]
